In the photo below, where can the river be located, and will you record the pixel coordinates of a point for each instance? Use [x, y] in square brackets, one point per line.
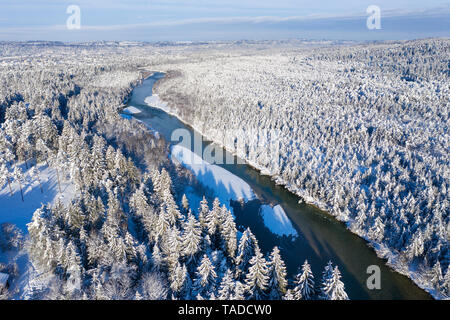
[320, 237]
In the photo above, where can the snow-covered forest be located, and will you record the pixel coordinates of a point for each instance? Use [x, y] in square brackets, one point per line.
[361, 131]
[124, 231]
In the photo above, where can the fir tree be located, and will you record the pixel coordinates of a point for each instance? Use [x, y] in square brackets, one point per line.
[333, 287]
[277, 275]
[257, 277]
[205, 280]
[247, 248]
[304, 283]
[227, 287]
[191, 238]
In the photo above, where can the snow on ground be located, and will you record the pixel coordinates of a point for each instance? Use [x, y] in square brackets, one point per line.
[131, 110]
[13, 210]
[154, 101]
[277, 221]
[226, 185]
[194, 198]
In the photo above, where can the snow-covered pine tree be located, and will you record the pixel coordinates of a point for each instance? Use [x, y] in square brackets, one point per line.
[191, 238]
[205, 279]
[248, 245]
[5, 177]
[257, 277]
[203, 212]
[179, 281]
[327, 275]
[227, 287]
[239, 291]
[333, 288]
[185, 204]
[289, 295]
[304, 283]
[228, 232]
[212, 221]
[277, 275]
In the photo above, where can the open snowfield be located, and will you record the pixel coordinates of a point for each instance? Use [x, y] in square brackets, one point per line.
[277, 221]
[226, 185]
[18, 212]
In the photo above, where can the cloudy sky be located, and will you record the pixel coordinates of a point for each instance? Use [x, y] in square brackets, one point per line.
[184, 20]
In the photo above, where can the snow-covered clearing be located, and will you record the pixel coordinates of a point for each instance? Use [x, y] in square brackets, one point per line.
[226, 185]
[18, 212]
[277, 221]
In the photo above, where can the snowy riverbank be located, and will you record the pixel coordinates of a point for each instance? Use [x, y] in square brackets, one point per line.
[225, 185]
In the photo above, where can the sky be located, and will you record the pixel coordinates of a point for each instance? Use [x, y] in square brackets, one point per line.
[201, 20]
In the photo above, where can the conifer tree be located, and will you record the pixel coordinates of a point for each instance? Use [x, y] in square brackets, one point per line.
[247, 248]
[203, 211]
[332, 287]
[327, 275]
[277, 275]
[228, 232]
[205, 279]
[191, 238]
[257, 277]
[227, 287]
[304, 283]
[185, 204]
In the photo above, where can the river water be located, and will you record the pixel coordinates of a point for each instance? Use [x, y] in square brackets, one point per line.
[320, 237]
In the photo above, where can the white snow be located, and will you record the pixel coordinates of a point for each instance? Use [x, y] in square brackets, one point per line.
[156, 102]
[116, 79]
[277, 221]
[131, 110]
[226, 185]
[13, 210]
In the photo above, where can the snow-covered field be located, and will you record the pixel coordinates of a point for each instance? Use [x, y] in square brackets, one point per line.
[18, 212]
[277, 221]
[226, 185]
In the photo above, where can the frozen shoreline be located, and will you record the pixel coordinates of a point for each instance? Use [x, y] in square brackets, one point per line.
[226, 185]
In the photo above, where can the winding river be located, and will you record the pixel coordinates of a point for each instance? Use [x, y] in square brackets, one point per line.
[320, 237]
